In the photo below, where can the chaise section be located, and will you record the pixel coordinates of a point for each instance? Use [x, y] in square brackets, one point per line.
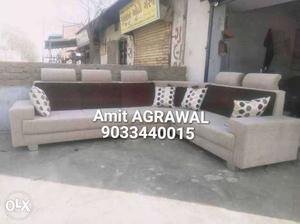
[20, 112]
[217, 132]
[264, 140]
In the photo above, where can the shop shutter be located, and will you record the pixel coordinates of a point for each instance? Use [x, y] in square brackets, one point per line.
[152, 44]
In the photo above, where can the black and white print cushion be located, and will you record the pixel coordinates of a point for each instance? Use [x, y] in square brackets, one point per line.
[164, 96]
[193, 98]
[40, 101]
[252, 108]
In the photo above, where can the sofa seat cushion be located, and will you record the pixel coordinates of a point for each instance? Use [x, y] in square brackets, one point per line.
[217, 131]
[64, 121]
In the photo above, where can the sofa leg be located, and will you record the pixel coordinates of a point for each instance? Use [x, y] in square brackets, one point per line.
[231, 166]
[33, 147]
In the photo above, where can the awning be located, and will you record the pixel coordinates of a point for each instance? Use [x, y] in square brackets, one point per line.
[60, 43]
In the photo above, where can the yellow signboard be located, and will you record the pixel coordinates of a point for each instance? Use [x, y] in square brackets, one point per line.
[138, 13]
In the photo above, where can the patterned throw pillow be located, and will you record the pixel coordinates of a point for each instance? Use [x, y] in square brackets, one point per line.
[40, 101]
[164, 96]
[250, 108]
[193, 98]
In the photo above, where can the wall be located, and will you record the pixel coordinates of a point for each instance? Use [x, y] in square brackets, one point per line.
[110, 37]
[247, 52]
[175, 54]
[217, 35]
[130, 50]
[178, 32]
[196, 39]
[17, 78]
[245, 5]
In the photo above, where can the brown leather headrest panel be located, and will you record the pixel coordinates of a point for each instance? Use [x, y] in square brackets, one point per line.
[73, 96]
[62, 96]
[219, 99]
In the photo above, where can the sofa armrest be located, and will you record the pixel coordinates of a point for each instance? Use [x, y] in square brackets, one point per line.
[264, 140]
[20, 111]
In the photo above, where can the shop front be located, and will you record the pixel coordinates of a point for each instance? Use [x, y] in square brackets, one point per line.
[145, 22]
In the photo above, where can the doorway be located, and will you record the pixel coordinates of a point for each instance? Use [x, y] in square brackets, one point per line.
[259, 36]
[123, 51]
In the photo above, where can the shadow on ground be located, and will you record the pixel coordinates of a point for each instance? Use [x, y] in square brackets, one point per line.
[170, 169]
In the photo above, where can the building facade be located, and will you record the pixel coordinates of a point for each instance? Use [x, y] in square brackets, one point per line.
[147, 41]
[153, 32]
[168, 32]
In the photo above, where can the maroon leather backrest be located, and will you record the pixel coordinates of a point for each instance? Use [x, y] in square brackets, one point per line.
[179, 95]
[219, 99]
[62, 96]
[137, 94]
[100, 95]
[72, 96]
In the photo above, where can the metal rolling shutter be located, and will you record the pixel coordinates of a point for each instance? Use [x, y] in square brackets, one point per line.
[152, 44]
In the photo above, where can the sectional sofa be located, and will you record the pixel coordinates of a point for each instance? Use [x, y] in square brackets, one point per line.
[241, 142]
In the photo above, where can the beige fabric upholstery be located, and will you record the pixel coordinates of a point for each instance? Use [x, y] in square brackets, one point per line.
[19, 112]
[262, 81]
[134, 76]
[279, 102]
[66, 136]
[62, 137]
[229, 78]
[59, 121]
[216, 149]
[65, 120]
[58, 74]
[74, 120]
[96, 75]
[264, 140]
[217, 131]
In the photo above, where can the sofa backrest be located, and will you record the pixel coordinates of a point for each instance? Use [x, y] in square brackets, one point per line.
[58, 74]
[81, 95]
[262, 81]
[220, 99]
[134, 76]
[229, 78]
[96, 75]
